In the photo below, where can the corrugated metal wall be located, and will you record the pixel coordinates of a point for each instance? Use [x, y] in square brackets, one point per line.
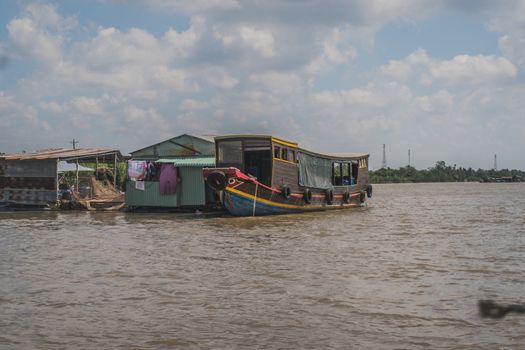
[28, 182]
[192, 189]
[190, 192]
[150, 197]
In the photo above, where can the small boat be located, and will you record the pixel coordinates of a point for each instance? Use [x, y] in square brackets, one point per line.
[263, 175]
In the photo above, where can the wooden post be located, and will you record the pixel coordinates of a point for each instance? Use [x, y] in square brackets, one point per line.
[115, 172]
[57, 180]
[76, 174]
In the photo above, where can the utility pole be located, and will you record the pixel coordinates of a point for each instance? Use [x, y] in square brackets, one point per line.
[409, 157]
[74, 143]
[495, 162]
[383, 164]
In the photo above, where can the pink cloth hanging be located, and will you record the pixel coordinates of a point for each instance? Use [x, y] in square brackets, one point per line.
[168, 179]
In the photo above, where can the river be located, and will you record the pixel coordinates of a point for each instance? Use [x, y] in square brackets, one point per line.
[406, 272]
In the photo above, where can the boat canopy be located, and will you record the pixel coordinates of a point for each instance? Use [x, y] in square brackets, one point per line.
[314, 171]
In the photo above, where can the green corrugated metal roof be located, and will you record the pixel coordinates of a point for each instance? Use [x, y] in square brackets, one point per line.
[189, 161]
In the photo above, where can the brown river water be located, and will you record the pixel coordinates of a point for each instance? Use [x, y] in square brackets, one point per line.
[404, 273]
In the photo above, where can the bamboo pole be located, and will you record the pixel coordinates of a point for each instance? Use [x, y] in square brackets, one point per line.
[115, 171]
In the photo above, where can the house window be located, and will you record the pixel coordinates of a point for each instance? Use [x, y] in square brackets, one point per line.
[293, 156]
[337, 179]
[230, 152]
[355, 169]
[277, 152]
[284, 154]
[347, 174]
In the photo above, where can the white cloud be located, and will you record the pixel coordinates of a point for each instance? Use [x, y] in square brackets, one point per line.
[472, 69]
[86, 106]
[30, 41]
[261, 67]
[192, 6]
[222, 79]
[279, 83]
[334, 52]
[461, 69]
[372, 97]
[176, 79]
[191, 104]
[46, 16]
[261, 40]
[53, 107]
[441, 101]
[39, 34]
[403, 69]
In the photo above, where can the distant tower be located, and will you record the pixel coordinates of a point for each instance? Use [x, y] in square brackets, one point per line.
[409, 157]
[496, 162]
[383, 164]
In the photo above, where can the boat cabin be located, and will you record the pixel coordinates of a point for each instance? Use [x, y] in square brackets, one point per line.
[275, 163]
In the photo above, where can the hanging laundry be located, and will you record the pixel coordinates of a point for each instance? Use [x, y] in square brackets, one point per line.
[152, 171]
[168, 179]
[137, 169]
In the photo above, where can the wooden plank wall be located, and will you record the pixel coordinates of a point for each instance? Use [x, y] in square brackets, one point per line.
[285, 174]
[28, 182]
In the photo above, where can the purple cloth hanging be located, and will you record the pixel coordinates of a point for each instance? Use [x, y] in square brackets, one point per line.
[168, 179]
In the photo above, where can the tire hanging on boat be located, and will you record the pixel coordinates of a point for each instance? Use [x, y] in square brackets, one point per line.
[346, 197]
[369, 191]
[217, 180]
[329, 196]
[307, 196]
[285, 191]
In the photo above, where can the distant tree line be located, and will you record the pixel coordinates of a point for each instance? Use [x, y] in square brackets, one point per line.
[442, 172]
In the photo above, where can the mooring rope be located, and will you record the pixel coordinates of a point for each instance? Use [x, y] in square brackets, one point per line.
[255, 198]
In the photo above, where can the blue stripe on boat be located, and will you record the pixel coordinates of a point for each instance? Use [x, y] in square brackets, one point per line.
[240, 205]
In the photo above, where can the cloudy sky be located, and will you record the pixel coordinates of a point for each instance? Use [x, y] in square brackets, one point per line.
[442, 78]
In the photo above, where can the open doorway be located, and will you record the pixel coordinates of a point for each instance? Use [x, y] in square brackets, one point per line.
[258, 163]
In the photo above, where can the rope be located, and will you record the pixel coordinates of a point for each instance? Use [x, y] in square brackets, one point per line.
[255, 198]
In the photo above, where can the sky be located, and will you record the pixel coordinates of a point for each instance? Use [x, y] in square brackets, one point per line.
[444, 79]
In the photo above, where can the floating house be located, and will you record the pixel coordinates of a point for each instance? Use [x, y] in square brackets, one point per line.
[168, 174]
[38, 179]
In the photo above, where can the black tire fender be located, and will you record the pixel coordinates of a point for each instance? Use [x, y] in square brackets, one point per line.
[307, 196]
[217, 180]
[285, 191]
[329, 196]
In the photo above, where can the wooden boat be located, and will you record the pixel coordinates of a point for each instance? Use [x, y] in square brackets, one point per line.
[262, 175]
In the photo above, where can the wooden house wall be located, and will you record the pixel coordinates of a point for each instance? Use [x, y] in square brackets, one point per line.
[28, 182]
[285, 174]
[362, 177]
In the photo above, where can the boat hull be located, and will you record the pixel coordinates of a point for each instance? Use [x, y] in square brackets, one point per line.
[240, 203]
[243, 195]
